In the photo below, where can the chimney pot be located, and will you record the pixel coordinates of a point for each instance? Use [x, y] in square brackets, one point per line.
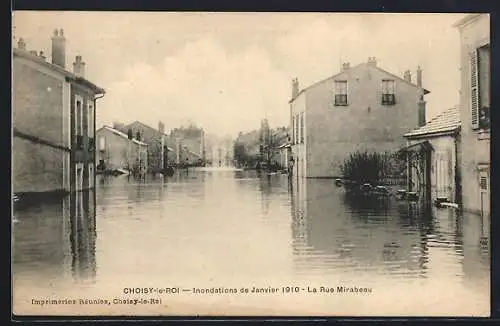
[79, 66]
[33, 52]
[59, 48]
[345, 65]
[42, 55]
[419, 76]
[372, 61]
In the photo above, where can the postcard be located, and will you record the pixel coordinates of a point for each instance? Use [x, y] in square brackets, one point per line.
[250, 164]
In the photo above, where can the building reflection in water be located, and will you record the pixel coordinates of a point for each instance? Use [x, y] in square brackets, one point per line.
[55, 238]
[334, 230]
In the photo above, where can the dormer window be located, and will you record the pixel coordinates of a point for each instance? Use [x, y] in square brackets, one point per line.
[388, 92]
[341, 92]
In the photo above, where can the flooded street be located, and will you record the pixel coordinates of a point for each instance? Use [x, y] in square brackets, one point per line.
[236, 229]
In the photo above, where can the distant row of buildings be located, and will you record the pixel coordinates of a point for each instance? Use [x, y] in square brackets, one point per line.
[56, 147]
[140, 148]
[367, 108]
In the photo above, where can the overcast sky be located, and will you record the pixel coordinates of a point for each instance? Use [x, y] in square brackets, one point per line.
[225, 71]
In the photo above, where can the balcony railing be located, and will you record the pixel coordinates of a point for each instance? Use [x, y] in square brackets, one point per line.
[388, 99]
[91, 144]
[79, 142]
[341, 99]
[484, 118]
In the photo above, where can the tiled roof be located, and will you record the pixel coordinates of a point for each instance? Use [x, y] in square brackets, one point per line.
[121, 134]
[447, 121]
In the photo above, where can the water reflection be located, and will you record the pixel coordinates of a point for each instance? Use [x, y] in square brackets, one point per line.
[229, 223]
[334, 230]
[56, 238]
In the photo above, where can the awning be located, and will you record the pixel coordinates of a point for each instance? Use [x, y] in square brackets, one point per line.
[418, 147]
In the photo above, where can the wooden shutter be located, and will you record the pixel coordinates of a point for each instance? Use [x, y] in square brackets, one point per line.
[474, 85]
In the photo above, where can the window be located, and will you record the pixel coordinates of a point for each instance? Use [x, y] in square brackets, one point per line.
[102, 143]
[340, 93]
[78, 117]
[302, 128]
[79, 176]
[90, 121]
[480, 87]
[297, 129]
[388, 92]
[91, 176]
[91, 144]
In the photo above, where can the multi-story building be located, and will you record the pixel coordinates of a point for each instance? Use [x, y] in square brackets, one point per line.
[475, 111]
[118, 151]
[191, 138]
[158, 151]
[53, 121]
[361, 108]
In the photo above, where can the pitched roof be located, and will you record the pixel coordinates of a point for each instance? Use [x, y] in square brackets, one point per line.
[61, 70]
[355, 67]
[447, 121]
[123, 135]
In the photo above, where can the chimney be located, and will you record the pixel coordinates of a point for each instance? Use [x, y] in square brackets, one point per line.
[59, 48]
[407, 76]
[295, 88]
[79, 66]
[21, 45]
[419, 76]
[345, 66]
[372, 61]
[42, 55]
[421, 111]
[34, 53]
[161, 127]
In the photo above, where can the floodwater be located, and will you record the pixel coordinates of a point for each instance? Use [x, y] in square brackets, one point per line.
[229, 230]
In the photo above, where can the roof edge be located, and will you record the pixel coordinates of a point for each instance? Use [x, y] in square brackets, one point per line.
[467, 19]
[436, 133]
[426, 91]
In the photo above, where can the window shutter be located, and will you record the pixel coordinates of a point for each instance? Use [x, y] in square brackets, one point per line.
[474, 90]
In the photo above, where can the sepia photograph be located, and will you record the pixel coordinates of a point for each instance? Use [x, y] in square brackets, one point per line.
[250, 164]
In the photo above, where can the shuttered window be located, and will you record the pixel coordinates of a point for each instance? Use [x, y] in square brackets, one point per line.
[474, 90]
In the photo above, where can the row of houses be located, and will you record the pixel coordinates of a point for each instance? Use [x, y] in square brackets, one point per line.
[56, 147]
[366, 108]
[140, 148]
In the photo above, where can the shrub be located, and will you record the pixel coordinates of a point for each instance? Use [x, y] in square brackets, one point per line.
[370, 167]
